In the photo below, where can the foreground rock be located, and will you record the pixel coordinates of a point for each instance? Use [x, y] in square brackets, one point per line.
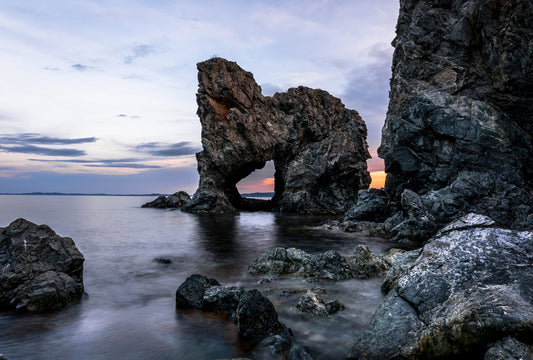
[39, 270]
[362, 264]
[256, 319]
[470, 287]
[509, 349]
[174, 201]
[312, 303]
[318, 146]
[459, 130]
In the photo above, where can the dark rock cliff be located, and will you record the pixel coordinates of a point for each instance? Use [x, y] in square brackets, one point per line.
[318, 146]
[459, 128]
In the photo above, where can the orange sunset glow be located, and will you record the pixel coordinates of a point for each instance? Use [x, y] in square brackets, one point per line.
[378, 179]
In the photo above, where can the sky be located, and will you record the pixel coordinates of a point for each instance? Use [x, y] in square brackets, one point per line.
[99, 96]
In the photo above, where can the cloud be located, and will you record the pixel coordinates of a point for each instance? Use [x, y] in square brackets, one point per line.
[51, 68]
[123, 165]
[80, 67]
[131, 117]
[161, 149]
[30, 138]
[129, 163]
[139, 51]
[38, 150]
[270, 89]
[81, 161]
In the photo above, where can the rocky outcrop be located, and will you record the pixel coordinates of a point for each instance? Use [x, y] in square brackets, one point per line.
[312, 303]
[254, 315]
[459, 128]
[40, 271]
[470, 286]
[318, 146]
[174, 201]
[362, 264]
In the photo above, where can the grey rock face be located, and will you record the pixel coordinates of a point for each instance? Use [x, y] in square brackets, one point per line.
[362, 264]
[39, 270]
[460, 117]
[509, 349]
[318, 146]
[174, 201]
[371, 206]
[470, 286]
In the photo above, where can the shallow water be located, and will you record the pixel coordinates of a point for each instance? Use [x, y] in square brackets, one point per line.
[130, 310]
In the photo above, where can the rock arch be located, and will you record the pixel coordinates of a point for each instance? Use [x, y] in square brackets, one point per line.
[318, 146]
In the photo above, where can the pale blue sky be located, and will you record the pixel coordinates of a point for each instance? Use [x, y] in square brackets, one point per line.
[99, 96]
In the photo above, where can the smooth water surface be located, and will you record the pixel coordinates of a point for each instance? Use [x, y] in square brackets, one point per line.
[130, 313]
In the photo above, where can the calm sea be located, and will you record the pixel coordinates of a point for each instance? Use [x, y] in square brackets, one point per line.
[130, 313]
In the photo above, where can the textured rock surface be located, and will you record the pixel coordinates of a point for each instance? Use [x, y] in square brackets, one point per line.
[255, 316]
[174, 201]
[318, 146]
[312, 303]
[362, 264]
[460, 117]
[509, 349]
[40, 271]
[470, 286]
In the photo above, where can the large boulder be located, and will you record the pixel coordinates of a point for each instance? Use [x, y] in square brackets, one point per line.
[470, 287]
[318, 146]
[40, 270]
[459, 126]
[361, 264]
[174, 201]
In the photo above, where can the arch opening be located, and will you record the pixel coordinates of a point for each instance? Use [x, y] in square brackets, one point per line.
[257, 190]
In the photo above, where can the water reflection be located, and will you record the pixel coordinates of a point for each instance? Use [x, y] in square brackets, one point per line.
[130, 312]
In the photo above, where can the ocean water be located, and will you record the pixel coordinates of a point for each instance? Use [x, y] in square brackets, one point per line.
[129, 312]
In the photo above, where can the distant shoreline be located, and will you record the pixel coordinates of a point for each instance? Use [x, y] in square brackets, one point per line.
[80, 194]
[258, 194]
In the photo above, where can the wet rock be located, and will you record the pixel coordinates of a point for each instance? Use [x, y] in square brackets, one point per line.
[312, 303]
[255, 316]
[459, 120]
[39, 270]
[174, 201]
[318, 146]
[509, 349]
[163, 261]
[361, 264]
[257, 319]
[469, 287]
[297, 352]
[221, 299]
[190, 294]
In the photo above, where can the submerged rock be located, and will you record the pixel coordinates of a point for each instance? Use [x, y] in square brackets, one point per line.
[318, 146]
[470, 286]
[312, 303]
[39, 270]
[361, 264]
[174, 201]
[459, 130]
[255, 316]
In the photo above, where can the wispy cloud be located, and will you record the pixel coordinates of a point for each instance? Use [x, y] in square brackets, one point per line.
[138, 51]
[161, 149]
[128, 163]
[31, 138]
[126, 116]
[122, 165]
[38, 150]
[81, 67]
